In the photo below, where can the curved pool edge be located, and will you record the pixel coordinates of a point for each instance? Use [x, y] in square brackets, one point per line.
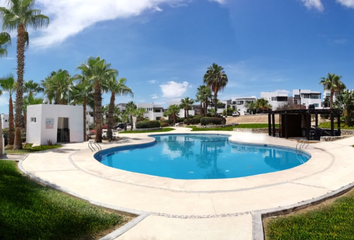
[214, 185]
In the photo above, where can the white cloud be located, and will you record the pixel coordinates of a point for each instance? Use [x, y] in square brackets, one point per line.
[316, 4]
[70, 17]
[173, 89]
[347, 3]
[152, 81]
[154, 96]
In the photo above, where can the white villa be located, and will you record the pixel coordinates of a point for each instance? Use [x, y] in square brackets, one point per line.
[276, 98]
[239, 103]
[307, 97]
[154, 111]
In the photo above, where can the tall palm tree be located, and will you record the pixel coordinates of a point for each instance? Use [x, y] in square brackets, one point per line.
[186, 104]
[20, 15]
[172, 111]
[332, 83]
[116, 87]
[203, 95]
[216, 79]
[5, 39]
[9, 84]
[130, 108]
[97, 72]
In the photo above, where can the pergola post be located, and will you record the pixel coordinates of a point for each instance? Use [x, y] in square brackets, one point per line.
[332, 123]
[338, 126]
[285, 128]
[316, 119]
[269, 124]
[273, 118]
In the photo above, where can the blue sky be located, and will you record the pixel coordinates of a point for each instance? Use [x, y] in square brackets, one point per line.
[164, 47]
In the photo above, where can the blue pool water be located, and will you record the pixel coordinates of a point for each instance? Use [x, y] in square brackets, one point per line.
[200, 156]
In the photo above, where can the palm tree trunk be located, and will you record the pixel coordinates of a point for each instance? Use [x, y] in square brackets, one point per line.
[331, 99]
[11, 123]
[110, 117]
[19, 93]
[216, 102]
[98, 111]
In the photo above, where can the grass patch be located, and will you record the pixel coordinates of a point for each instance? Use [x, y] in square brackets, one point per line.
[137, 131]
[27, 148]
[31, 211]
[328, 125]
[332, 220]
[230, 128]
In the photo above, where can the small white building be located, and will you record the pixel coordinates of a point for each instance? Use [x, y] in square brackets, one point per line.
[222, 105]
[276, 99]
[305, 98]
[154, 111]
[55, 123]
[240, 103]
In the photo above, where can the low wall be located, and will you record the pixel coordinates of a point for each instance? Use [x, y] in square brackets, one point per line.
[252, 130]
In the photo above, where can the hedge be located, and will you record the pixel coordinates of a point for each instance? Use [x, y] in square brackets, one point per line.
[148, 124]
[212, 120]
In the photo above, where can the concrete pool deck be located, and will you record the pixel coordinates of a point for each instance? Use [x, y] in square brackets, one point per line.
[195, 209]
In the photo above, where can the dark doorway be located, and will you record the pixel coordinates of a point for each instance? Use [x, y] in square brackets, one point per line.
[63, 134]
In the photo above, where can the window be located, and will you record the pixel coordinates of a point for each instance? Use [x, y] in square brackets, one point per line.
[233, 102]
[306, 95]
[239, 102]
[33, 119]
[316, 104]
[5, 120]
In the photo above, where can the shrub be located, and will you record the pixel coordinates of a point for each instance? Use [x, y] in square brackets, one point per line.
[148, 124]
[212, 121]
[195, 119]
[180, 120]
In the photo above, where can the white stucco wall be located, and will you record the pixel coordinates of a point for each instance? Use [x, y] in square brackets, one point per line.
[39, 132]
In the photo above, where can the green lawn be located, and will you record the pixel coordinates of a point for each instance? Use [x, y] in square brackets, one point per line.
[152, 131]
[230, 128]
[328, 125]
[27, 148]
[31, 211]
[331, 221]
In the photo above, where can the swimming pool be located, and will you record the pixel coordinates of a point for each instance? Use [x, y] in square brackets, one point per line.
[200, 156]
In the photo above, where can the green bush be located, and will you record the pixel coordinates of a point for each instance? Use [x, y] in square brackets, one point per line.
[180, 120]
[195, 119]
[212, 121]
[148, 124]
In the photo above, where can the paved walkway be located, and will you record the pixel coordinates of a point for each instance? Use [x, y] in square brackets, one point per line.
[195, 209]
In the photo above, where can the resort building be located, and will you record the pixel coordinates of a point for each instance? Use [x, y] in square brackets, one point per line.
[326, 98]
[277, 98]
[191, 113]
[222, 105]
[154, 111]
[240, 104]
[305, 98]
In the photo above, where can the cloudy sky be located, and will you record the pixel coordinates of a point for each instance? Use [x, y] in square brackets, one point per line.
[164, 47]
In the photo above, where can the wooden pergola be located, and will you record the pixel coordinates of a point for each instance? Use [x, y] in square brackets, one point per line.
[297, 123]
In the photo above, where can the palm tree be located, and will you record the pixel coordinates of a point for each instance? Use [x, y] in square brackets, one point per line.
[186, 104]
[5, 39]
[8, 84]
[130, 109]
[58, 86]
[216, 79]
[32, 88]
[20, 15]
[97, 72]
[332, 83]
[345, 102]
[172, 111]
[203, 95]
[116, 87]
